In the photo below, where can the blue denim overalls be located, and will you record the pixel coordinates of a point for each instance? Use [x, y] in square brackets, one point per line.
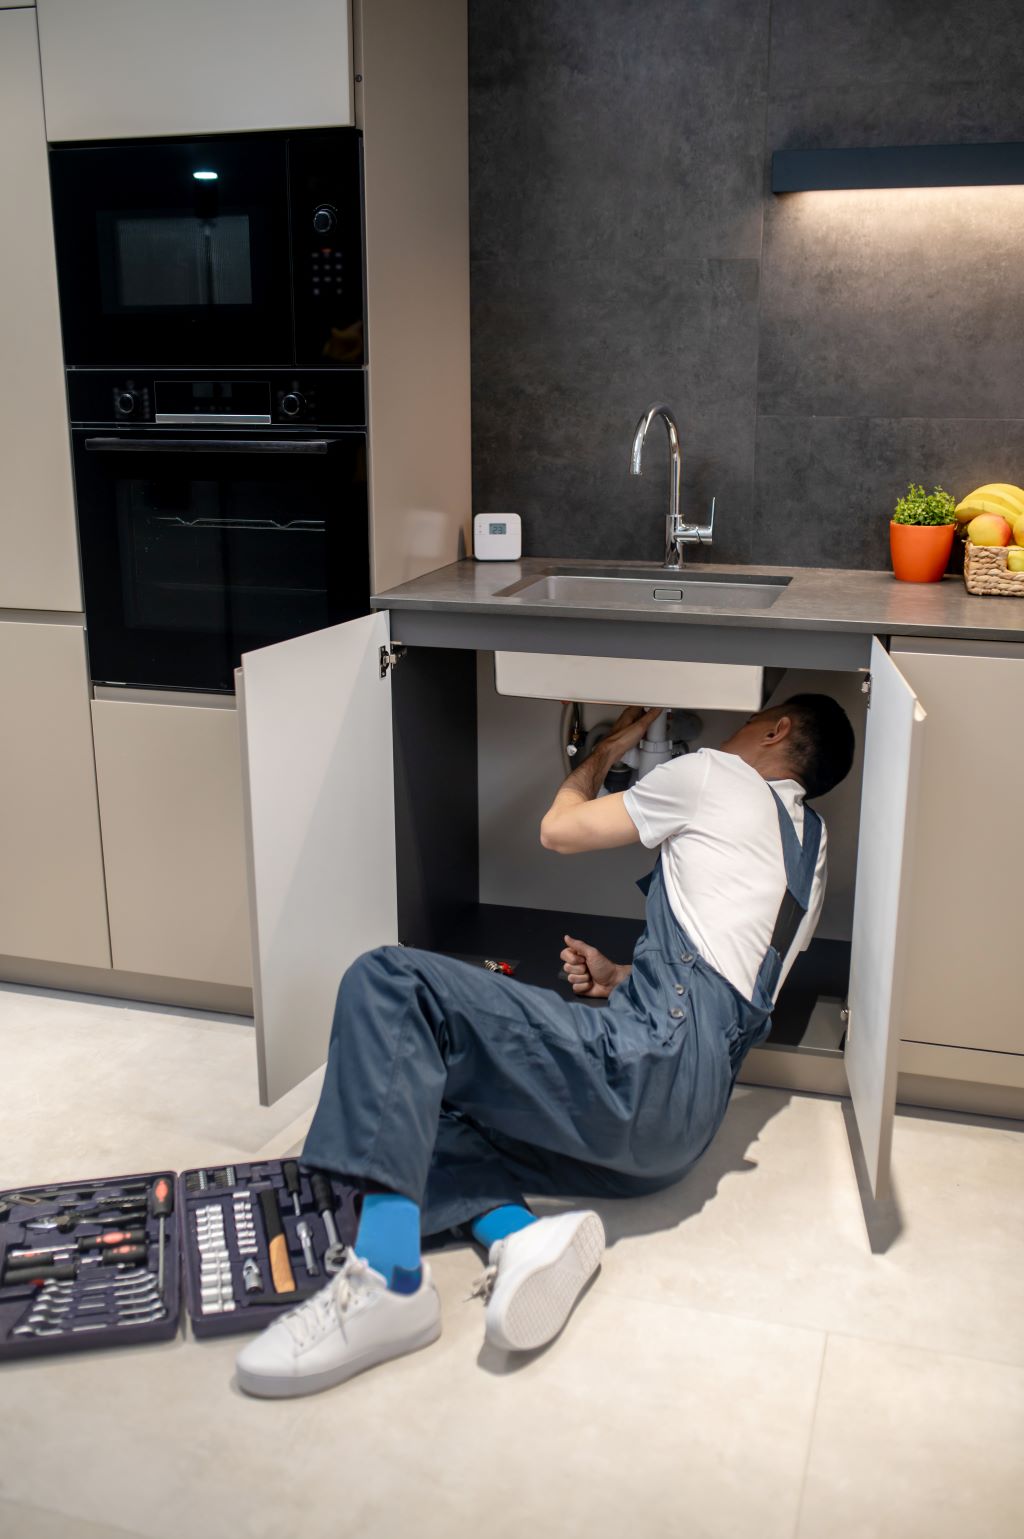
[461, 1089]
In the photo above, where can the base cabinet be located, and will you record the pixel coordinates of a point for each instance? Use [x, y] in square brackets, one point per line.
[52, 903]
[170, 797]
[310, 708]
[963, 937]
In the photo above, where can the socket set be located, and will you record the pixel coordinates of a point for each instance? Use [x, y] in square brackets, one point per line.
[98, 1263]
[258, 1239]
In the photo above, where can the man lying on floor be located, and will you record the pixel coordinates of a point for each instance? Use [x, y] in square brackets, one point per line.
[450, 1091]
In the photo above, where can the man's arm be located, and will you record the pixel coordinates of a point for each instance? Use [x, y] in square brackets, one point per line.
[577, 820]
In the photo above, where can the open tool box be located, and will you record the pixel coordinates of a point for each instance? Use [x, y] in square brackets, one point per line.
[104, 1263]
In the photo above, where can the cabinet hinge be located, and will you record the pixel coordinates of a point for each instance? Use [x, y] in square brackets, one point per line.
[390, 658]
[865, 688]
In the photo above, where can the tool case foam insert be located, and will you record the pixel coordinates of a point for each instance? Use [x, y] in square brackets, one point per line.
[81, 1289]
[206, 1211]
[80, 1265]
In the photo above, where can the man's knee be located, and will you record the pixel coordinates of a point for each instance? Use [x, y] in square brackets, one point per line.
[369, 970]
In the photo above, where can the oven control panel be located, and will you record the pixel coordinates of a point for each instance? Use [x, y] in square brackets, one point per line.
[182, 399]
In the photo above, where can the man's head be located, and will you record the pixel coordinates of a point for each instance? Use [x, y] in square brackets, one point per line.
[808, 738]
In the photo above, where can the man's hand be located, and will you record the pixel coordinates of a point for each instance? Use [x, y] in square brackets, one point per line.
[589, 971]
[576, 819]
[627, 731]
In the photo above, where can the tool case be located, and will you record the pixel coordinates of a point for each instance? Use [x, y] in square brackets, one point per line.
[80, 1261]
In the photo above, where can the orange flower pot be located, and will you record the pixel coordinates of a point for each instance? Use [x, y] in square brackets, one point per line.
[920, 552]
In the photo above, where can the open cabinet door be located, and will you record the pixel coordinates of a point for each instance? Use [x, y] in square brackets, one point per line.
[315, 718]
[892, 746]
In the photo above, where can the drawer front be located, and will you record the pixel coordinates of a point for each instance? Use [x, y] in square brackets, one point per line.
[631, 680]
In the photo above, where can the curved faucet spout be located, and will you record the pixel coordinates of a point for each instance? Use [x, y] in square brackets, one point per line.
[673, 523]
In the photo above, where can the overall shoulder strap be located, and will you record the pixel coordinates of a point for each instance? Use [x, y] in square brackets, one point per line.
[801, 860]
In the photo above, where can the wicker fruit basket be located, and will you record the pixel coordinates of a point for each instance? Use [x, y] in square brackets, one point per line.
[985, 571]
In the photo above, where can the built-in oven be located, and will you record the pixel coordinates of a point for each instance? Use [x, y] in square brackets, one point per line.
[213, 252]
[217, 514]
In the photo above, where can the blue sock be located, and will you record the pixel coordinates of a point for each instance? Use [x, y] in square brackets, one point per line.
[389, 1239]
[499, 1223]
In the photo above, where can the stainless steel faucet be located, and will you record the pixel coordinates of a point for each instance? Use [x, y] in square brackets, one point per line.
[677, 533]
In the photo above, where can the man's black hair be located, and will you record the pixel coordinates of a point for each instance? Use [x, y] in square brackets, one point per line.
[822, 741]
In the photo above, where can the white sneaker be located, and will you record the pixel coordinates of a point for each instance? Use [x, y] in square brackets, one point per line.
[353, 1323]
[535, 1276]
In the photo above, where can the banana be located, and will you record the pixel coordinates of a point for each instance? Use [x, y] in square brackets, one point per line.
[1015, 493]
[1008, 501]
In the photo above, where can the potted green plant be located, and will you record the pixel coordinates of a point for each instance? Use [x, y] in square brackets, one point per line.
[921, 534]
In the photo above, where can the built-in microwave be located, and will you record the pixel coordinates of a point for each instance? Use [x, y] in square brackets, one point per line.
[226, 252]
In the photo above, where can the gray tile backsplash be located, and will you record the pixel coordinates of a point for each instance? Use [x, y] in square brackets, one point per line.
[817, 352]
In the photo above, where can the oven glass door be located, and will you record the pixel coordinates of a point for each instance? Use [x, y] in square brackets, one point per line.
[174, 251]
[195, 550]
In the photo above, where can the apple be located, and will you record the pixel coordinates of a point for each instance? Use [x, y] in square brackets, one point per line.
[989, 529]
[1015, 560]
[1018, 533]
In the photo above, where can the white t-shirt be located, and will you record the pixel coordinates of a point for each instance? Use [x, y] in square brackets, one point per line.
[722, 861]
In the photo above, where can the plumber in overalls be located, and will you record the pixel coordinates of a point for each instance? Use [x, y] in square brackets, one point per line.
[450, 1091]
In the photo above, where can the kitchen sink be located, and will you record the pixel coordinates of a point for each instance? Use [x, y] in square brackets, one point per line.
[652, 588]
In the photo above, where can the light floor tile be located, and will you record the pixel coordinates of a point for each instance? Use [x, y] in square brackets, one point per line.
[18, 1521]
[653, 1418]
[100, 1087]
[770, 1225]
[680, 1400]
[914, 1445]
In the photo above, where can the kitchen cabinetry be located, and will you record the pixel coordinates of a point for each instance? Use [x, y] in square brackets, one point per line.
[963, 938]
[52, 904]
[325, 886]
[126, 69]
[38, 539]
[170, 798]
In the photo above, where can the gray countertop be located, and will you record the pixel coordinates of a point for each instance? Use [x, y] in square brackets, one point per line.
[817, 598]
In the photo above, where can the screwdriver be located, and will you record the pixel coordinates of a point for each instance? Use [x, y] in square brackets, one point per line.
[86, 1242]
[290, 1172]
[161, 1202]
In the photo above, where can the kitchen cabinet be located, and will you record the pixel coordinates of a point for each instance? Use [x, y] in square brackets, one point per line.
[52, 904]
[170, 796]
[322, 718]
[38, 537]
[127, 69]
[964, 939]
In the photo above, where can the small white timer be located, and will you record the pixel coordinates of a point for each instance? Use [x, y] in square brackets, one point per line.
[497, 537]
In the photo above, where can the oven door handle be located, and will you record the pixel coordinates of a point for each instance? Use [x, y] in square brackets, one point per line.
[210, 445]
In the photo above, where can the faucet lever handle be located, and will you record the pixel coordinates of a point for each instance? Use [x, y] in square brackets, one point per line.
[696, 534]
[705, 532]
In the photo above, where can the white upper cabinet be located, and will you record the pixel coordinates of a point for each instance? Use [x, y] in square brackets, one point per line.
[38, 539]
[127, 69]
